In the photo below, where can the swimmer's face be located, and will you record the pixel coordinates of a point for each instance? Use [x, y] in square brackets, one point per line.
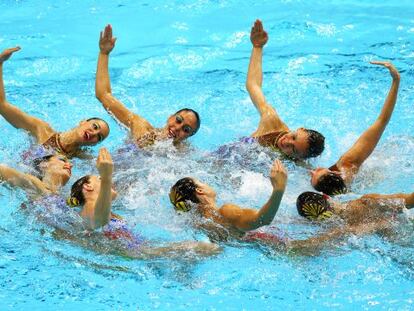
[294, 144]
[204, 189]
[61, 166]
[92, 132]
[318, 173]
[181, 125]
[95, 183]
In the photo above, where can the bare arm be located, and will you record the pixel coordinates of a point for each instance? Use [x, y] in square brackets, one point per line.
[98, 213]
[25, 181]
[407, 198]
[250, 219]
[103, 91]
[269, 119]
[19, 119]
[367, 142]
[313, 245]
[180, 250]
[173, 250]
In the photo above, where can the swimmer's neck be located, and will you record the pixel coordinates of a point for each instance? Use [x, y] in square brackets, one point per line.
[163, 134]
[148, 138]
[338, 207]
[68, 141]
[207, 206]
[53, 182]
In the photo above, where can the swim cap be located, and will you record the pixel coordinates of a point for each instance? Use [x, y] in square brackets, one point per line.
[331, 184]
[313, 206]
[183, 193]
[72, 202]
[178, 201]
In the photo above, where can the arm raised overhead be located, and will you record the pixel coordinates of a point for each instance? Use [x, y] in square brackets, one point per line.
[40, 129]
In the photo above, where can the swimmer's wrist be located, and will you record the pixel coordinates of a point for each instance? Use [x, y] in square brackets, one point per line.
[281, 190]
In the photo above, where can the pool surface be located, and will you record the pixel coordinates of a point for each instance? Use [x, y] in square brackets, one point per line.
[175, 54]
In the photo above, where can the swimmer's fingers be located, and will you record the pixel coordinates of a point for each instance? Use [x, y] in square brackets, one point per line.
[393, 71]
[99, 158]
[107, 155]
[106, 41]
[278, 175]
[7, 53]
[108, 32]
[259, 25]
[104, 155]
[378, 62]
[104, 163]
[258, 36]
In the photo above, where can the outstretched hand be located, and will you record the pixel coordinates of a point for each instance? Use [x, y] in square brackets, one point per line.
[258, 36]
[393, 71]
[278, 175]
[106, 41]
[104, 163]
[7, 53]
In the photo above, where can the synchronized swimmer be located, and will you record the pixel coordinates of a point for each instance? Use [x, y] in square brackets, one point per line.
[181, 125]
[91, 196]
[88, 133]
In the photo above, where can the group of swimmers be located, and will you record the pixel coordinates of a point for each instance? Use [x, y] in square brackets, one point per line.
[93, 195]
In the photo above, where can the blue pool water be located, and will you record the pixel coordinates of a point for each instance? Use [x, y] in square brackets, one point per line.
[171, 54]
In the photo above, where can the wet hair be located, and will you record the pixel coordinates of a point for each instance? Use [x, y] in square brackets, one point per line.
[331, 184]
[183, 191]
[76, 195]
[313, 206]
[316, 142]
[198, 120]
[37, 166]
[99, 119]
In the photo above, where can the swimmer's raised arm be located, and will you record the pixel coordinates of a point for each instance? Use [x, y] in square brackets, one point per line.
[97, 213]
[19, 119]
[250, 219]
[269, 119]
[366, 143]
[103, 92]
[25, 181]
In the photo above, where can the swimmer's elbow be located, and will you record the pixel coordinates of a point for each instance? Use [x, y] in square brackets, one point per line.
[96, 224]
[256, 223]
[248, 83]
[101, 94]
[105, 98]
[265, 222]
[251, 85]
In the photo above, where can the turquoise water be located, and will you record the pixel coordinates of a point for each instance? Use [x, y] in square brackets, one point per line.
[171, 54]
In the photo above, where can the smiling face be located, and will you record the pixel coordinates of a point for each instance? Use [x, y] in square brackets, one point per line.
[294, 144]
[92, 132]
[60, 166]
[181, 125]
